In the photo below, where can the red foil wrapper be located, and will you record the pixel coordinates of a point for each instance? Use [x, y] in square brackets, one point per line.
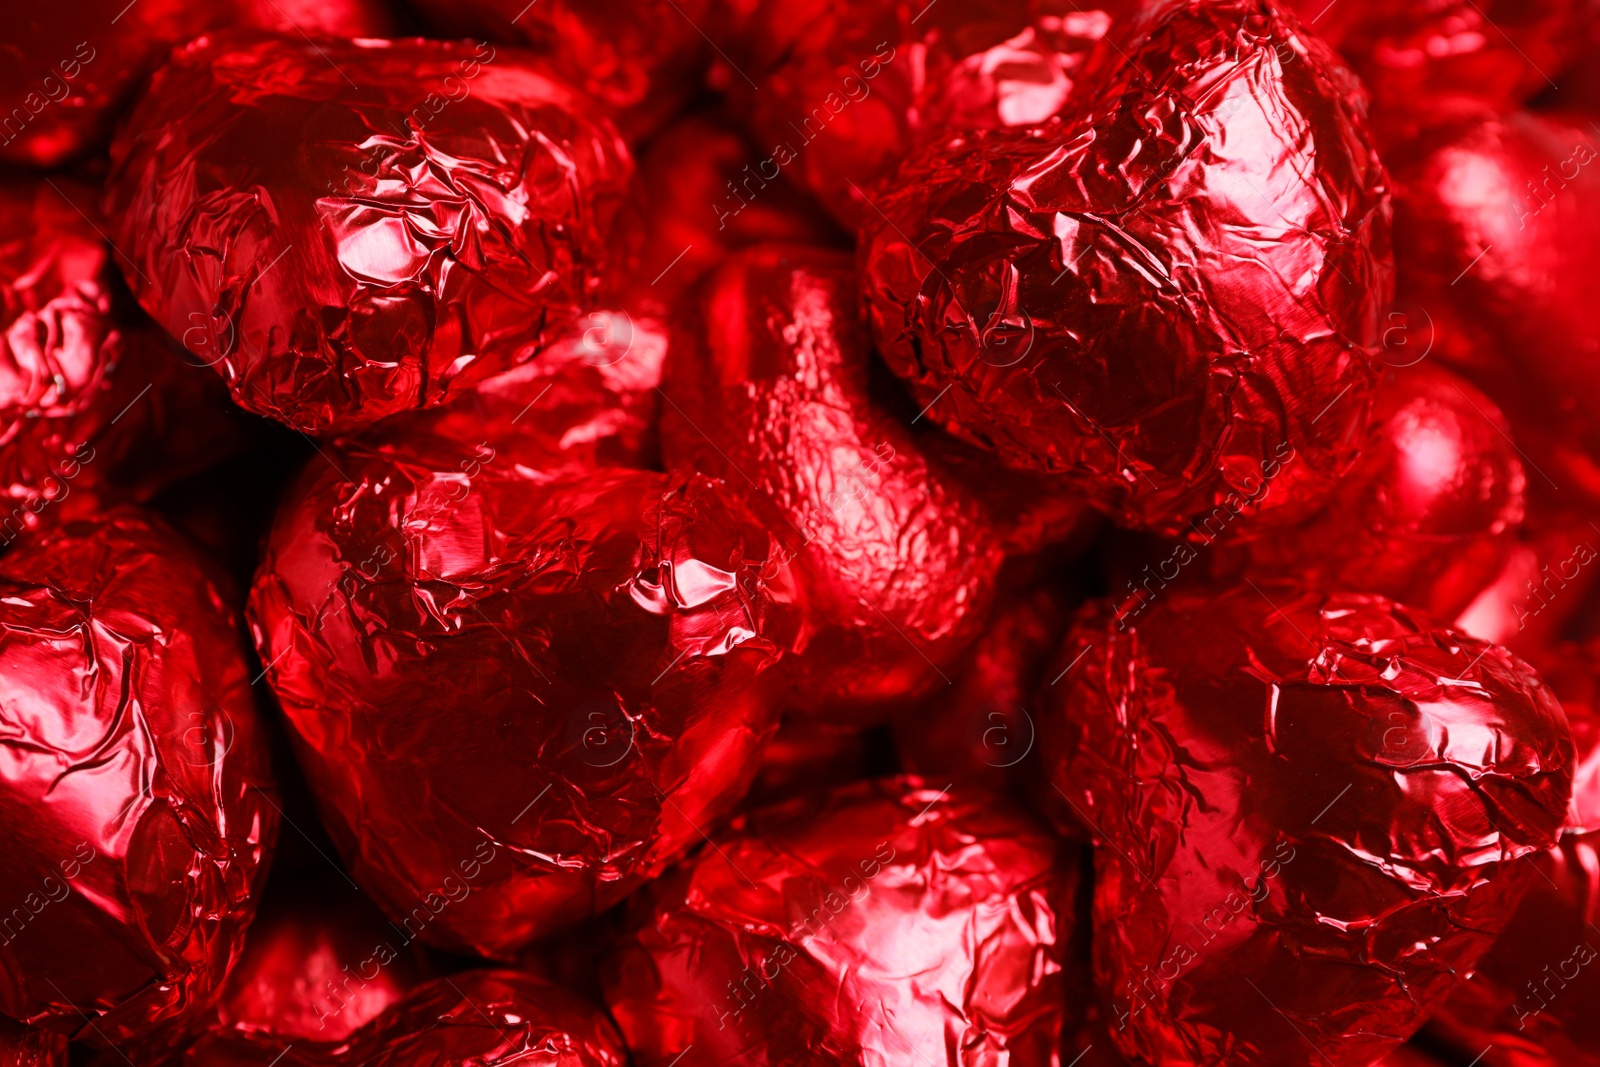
[1531, 1001]
[1312, 812]
[767, 388]
[984, 726]
[1544, 587]
[805, 756]
[517, 696]
[1412, 54]
[347, 230]
[67, 72]
[135, 781]
[320, 962]
[1497, 241]
[26, 1046]
[642, 61]
[883, 923]
[1429, 514]
[476, 1019]
[703, 200]
[837, 93]
[1172, 295]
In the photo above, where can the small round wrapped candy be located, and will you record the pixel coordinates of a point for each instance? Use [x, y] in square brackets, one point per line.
[884, 922]
[641, 61]
[1529, 1002]
[135, 784]
[348, 230]
[1412, 56]
[1315, 812]
[767, 388]
[837, 93]
[1428, 516]
[476, 1019]
[27, 1046]
[68, 72]
[1172, 295]
[1497, 233]
[517, 694]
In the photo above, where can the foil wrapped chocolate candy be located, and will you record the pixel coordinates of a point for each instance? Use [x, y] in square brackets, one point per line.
[1413, 56]
[1172, 295]
[516, 694]
[885, 922]
[837, 93]
[348, 230]
[320, 962]
[767, 388]
[479, 1018]
[641, 61]
[135, 781]
[1497, 228]
[1314, 813]
[69, 72]
[1428, 516]
[1529, 1002]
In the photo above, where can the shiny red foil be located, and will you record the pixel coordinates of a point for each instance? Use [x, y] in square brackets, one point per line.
[703, 199]
[1173, 294]
[642, 61]
[347, 230]
[837, 93]
[68, 71]
[767, 388]
[1531, 1000]
[138, 797]
[1497, 241]
[985, 726]
[805, 756]
[1412, 55]
[1312, 813]
[888, 922]
[1428, 516]
[475, 1019]
[26, 1046]
[517, 695]
[319, 963]
[1544, 588]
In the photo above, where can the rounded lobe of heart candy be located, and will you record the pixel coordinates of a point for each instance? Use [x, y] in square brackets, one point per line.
[1428, 516]
[1172, 295]
[135, 784]
[474, 1019]
[71, 70]
[347, 230]
[885, 922]
[1315, 813]
[517, 694]
[767, 388]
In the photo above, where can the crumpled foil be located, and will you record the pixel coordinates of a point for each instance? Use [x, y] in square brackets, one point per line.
[474, 1019]
[887, 922]
[139, 799]
[1314, 814]
[347, 230]
[517, 695]
[1172, 295]
[767, 388]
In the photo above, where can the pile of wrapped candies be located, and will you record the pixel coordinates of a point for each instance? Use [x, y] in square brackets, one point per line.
[775, 533]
